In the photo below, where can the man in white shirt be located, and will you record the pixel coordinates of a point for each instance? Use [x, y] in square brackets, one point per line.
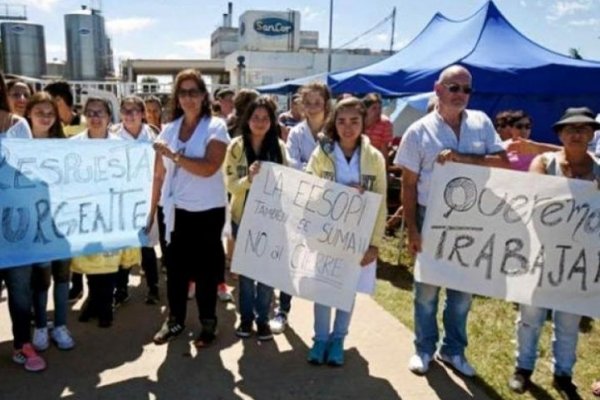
[449, 133]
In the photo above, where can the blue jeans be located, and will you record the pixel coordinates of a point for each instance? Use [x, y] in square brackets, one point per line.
[42, 273]
[456, 311]
[18, 286]
[564, 339]
[255, 297]
[323, 323]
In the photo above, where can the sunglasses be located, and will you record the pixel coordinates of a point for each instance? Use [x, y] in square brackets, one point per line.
[130, 112]
[523, 126]
[455, 88]
[96, 114]
[194, 93]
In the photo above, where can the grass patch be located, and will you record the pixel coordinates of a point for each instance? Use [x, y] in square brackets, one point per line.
[491, 330]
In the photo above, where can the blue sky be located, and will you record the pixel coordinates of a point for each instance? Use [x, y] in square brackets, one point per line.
[182, 28]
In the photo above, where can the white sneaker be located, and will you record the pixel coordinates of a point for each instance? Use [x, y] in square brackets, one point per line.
[457, 362]
[278, 323]
[40, 339]
[62, 337]
[419, 363]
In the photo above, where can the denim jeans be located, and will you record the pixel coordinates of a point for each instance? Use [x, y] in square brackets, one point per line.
[255, 301]
[18, 287]
[322, 325]
[456, 311]
[564, 339]
[42, 273]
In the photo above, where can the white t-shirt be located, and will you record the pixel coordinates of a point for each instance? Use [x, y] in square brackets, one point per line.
[348, 173]
[147, 135]
[184, 189]
[428, 136]
[19, 130]
[300, 145]
[85, 136]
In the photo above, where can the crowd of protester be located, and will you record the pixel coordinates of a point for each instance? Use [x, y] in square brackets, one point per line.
[210, 148]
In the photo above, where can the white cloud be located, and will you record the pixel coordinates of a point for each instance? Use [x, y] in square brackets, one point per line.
[562, 8]
[126, 25]
[585, 22]
[308, 14]
[523, 3]
[382, 37]
[45, 5]
[200, 47]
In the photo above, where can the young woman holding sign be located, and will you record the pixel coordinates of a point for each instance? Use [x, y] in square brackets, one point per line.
[345, 155]
[42, 114]
[258, 141]
[575, 130]
[18, 279]
[101, 268]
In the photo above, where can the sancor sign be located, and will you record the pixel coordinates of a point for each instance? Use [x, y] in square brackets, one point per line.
[273, 26]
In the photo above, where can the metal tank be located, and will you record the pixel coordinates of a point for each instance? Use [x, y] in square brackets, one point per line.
[86, 45]
[23, 48]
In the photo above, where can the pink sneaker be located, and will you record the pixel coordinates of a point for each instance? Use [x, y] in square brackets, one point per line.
[27, 357]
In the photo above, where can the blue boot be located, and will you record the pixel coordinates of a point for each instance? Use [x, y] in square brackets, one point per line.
[316, 355]
[335, 353]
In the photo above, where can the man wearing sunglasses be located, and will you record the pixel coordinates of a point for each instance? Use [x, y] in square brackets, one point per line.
[448, 133]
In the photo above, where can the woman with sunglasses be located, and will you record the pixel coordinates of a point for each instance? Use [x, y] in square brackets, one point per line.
[101, 268]
[190, 185]
[345, 155]
[18, 279]
[134, 128]
[42, 114]
[521, 150]
[19, 93]
[575, 129]
[11, 124]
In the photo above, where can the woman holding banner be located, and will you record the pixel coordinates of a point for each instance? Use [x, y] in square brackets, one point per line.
[346, 155]
[18, 279]
[133, 128]
[101, 268]
[258, 141]
[575, 130]
[42, 114]
[189, 183]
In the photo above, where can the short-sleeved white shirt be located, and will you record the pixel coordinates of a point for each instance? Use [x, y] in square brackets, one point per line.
[188, 191]
[146, 135]
[428, 136]
[84, 136]
[19, 130]
[300, 145]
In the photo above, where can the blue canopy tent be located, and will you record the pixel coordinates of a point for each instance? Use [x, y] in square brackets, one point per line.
[509, 70]
[291, 86]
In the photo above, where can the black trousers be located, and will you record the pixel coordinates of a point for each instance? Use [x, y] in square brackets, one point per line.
[150, 267]
[195, 253]
[160, 219]
[101, 288]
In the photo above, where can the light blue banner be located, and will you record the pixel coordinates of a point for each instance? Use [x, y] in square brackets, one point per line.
[63, 198]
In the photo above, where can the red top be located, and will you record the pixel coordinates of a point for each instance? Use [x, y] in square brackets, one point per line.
[381, 133]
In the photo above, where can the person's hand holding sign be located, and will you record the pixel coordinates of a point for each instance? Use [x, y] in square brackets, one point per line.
[447, 155]
[253, 170]
[369, 256]
[163, 149]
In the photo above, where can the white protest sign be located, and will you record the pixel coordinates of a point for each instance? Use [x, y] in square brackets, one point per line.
[523, 237]
[305, 235]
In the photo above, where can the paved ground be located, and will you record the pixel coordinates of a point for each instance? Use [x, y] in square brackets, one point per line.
[122, 363]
